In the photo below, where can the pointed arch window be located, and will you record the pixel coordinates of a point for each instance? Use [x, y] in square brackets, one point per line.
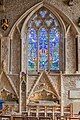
[44, 34]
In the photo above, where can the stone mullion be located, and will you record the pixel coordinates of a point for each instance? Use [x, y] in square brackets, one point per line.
[48, 50]
[37, 52]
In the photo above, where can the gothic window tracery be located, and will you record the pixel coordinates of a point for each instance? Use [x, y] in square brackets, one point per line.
[43, 41]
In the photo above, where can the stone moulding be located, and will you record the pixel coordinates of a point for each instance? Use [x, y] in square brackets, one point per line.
[11, 83]
[49, 6]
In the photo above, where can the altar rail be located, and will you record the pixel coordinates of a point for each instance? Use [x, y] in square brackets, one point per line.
[37, 112]
[51, 111]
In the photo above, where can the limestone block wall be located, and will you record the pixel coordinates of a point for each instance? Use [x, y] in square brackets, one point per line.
[71, 53]
[15, 53]
[31, 81]
[69, 82]
[16, 81]
[4, 53]
[71, 11]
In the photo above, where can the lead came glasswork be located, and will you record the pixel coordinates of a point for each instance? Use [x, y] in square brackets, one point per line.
[43, 49]
[48, 22]
[54, 49]
[43, 41]
[32, 51]
[37, 22]
[43, 13]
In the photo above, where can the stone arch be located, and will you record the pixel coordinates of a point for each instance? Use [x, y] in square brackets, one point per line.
[26, 16]
[23, 30]
[49, 6]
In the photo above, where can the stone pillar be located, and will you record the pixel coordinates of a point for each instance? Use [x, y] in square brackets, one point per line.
[22, 92]
[62, 91]
[65, 49]
[26, 88]
[65, 54]
[78, 53]
[0, 55]
[20, 95]
[10, 56]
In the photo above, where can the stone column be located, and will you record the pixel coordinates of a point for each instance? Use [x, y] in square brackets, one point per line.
[10, 56]
[65, 54]
[78, 53]
[62, 91]
[20, 95]
[65, 48]
[0, 55]
[26, 88]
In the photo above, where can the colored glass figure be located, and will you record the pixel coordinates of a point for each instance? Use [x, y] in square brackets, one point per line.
[37, 22]
[30, 24]
[52, 16]
[32, 49]
[54, 49]
[56, 23]
[43, 13]
[48, 22]
[43, 49]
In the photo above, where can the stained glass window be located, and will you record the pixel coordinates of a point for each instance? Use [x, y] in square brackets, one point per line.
[48, 22]
[43, 13]
[43, 41]
[43, 49]
[37, 22]
[32, 51]
[54, 49]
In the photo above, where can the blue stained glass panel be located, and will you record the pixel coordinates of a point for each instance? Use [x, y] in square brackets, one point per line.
[43, 13]
[32, 49]
[30, 24]
[35, 16]
[48, 22]
[43, 49]
[37, 22]
[54, 49]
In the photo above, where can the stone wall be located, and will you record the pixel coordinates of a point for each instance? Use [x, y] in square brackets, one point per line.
[14, 9]
[69, 82]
